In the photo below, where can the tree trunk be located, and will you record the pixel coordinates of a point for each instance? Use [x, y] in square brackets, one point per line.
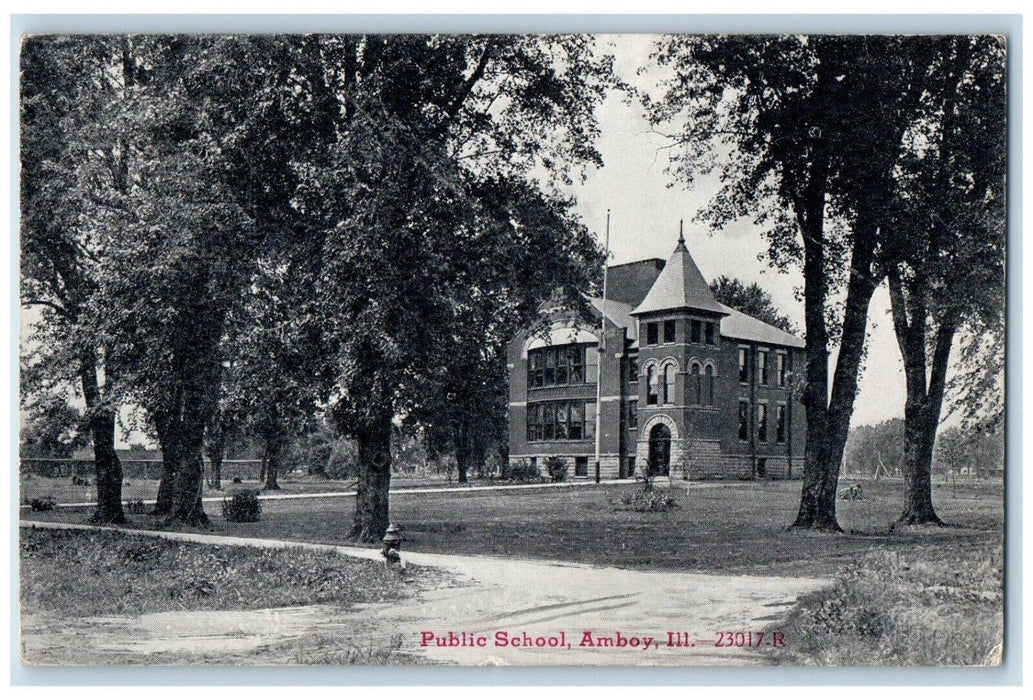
[107, 466]
[462, 444]
[168, 431]
[814, 512]
[275, 447]
[828, 420]
[371, 506]
[187, 507]
[920, 434]
[215, 449]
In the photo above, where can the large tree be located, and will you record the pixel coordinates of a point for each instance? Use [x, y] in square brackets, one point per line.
[208, 155]
[949, 244]
[74, 162]
[431, 199]
[805, 134]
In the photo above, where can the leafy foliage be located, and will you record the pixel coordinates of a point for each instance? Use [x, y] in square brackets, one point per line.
[972, 451]
[523, 472]
[648, 501]
[873, 447]
[556, 468]
[53, 428]
[242, 507]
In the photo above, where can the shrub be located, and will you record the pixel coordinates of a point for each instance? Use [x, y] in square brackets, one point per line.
[242, 507]
[557, 468]
[651, 501]
[523, 472]
[43, 503]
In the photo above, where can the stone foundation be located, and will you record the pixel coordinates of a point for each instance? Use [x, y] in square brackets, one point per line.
[609, 465]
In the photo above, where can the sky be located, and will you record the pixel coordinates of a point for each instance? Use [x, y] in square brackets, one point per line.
[645, 212]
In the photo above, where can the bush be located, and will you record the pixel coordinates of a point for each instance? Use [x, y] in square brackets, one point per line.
[523, 472]
[557, 468]
[651, 501]
[242, 507]
[43, 503]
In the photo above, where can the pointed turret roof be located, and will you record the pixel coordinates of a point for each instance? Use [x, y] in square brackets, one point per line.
[680, 286]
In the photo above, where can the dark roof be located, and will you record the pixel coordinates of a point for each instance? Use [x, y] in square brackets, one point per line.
[679, 286]
[618, 313]
[742, 327]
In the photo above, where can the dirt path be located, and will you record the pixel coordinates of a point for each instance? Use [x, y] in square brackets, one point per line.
[551, 604]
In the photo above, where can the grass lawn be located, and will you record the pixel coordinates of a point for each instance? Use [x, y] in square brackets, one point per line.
[737, 527]
[69, 576]
[85, 573]
[923, 606]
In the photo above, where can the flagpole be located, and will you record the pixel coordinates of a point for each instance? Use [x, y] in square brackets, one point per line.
[602, 357]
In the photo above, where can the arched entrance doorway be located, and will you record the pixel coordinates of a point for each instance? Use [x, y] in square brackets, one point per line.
[660, 450]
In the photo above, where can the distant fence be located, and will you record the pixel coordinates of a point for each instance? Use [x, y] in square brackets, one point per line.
[131, 468]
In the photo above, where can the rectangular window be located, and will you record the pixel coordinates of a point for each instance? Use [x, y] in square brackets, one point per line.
[652, 386]
[581, 466]
[631, 466]
[562, 428]
[668, 331]
[590, 421]
[710, 333]
[576, 421]
[557, 366]
[534, 375]
[697, 331]
[744, 366]
[762, 422]
[762, 367]
[780, 423]
[633, 414]
[744, 420]
[781, 369]
[652, 333]
[632, 368]
[576, 357]
[549, 419]
[559, 420]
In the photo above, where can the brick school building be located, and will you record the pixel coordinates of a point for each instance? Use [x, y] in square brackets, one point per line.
[694, 387]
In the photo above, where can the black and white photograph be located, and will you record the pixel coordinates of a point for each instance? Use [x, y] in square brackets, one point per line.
[511, 349]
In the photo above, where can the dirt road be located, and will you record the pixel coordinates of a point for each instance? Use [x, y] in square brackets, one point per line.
[498, 611]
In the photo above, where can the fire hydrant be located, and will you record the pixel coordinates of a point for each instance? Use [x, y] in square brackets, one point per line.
[392, 546]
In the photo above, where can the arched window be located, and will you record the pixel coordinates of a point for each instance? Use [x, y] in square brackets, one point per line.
[695, 391]
[652, 390]
[710, 386]
[669, 384]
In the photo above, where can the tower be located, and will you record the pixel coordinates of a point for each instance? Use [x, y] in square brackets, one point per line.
[679, 336]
